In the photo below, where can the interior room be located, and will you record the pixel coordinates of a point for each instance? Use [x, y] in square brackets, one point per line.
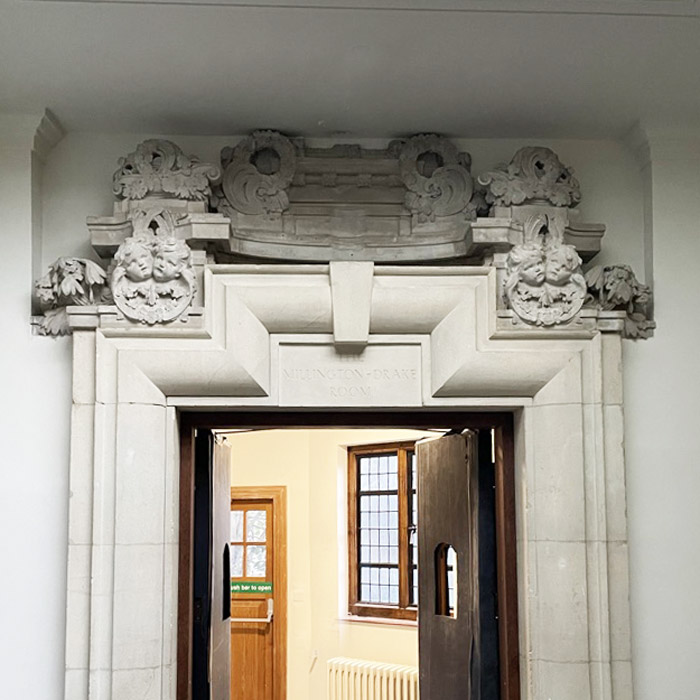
[218, 216]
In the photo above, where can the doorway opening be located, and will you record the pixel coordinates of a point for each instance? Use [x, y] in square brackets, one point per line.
[323, 540]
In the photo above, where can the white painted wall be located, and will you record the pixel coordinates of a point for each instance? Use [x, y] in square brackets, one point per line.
[663, 440]
[662, 379]
[34, 434]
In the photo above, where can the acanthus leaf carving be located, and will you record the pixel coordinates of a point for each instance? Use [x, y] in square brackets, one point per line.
[616, 288]
[257, 173]
[68, 282]
[159, 168]
[436, 175]
[153, 279]
[535, 174]
[544, 285]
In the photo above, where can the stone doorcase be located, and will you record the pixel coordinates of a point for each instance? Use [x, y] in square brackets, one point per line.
[344, 334]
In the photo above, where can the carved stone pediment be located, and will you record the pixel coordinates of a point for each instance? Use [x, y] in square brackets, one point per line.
[280, 199]
[412, 201]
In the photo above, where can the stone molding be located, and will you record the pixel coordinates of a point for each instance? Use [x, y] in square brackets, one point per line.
[414, 200]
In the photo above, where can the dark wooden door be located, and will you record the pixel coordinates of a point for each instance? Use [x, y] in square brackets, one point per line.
[448, 546]
[220, 613]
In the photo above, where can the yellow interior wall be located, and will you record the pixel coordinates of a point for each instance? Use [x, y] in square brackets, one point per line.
[312, 464]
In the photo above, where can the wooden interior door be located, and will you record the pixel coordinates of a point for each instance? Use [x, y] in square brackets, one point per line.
[448, 567]
[220, 611]
[258, 598]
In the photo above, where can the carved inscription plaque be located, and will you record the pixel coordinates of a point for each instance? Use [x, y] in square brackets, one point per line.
[380, 375]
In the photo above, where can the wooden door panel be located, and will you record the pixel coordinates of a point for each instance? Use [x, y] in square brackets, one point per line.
[220, 637]
[253, 624]
[448, 624]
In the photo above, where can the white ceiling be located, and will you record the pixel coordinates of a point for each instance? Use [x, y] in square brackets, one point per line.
[557, 68]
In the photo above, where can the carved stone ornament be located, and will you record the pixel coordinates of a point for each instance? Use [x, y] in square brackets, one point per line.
[615, 288]
[68, 282]
[436, 175]
[535, 174]
[153, 280]
[544, 285]
[159, 168]
[257, 173]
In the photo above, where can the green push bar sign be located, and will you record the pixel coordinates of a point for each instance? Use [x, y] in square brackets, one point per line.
[251, 587]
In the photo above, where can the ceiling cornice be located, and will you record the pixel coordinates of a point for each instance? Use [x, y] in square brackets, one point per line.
[659, 8]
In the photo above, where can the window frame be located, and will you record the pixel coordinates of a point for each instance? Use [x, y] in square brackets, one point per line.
[404, 610]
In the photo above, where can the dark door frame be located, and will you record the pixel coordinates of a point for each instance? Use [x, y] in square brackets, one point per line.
[500, 422]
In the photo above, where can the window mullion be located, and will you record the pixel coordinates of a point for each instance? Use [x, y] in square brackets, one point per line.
[403, 529]
[353, 530]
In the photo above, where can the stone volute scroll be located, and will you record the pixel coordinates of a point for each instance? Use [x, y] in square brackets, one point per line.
[437, 177]
[257, 173]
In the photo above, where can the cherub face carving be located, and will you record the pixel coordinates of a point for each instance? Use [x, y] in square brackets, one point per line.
[562, 262]
[530, 264]
[136, 258]
[171, 258]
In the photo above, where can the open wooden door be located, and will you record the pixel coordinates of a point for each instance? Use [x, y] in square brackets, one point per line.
[448, 568]
[258, 593]
[220, 583]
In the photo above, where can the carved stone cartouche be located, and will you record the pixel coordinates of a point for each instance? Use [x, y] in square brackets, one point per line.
[535, 174]
[412, 201]
[544, 283]
[616, 288]
[153, 280]
[68, 282]
[159, 168]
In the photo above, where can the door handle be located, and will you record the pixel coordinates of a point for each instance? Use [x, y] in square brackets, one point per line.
[267, 620]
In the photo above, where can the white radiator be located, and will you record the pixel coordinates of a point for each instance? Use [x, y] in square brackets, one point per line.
[354, 679]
